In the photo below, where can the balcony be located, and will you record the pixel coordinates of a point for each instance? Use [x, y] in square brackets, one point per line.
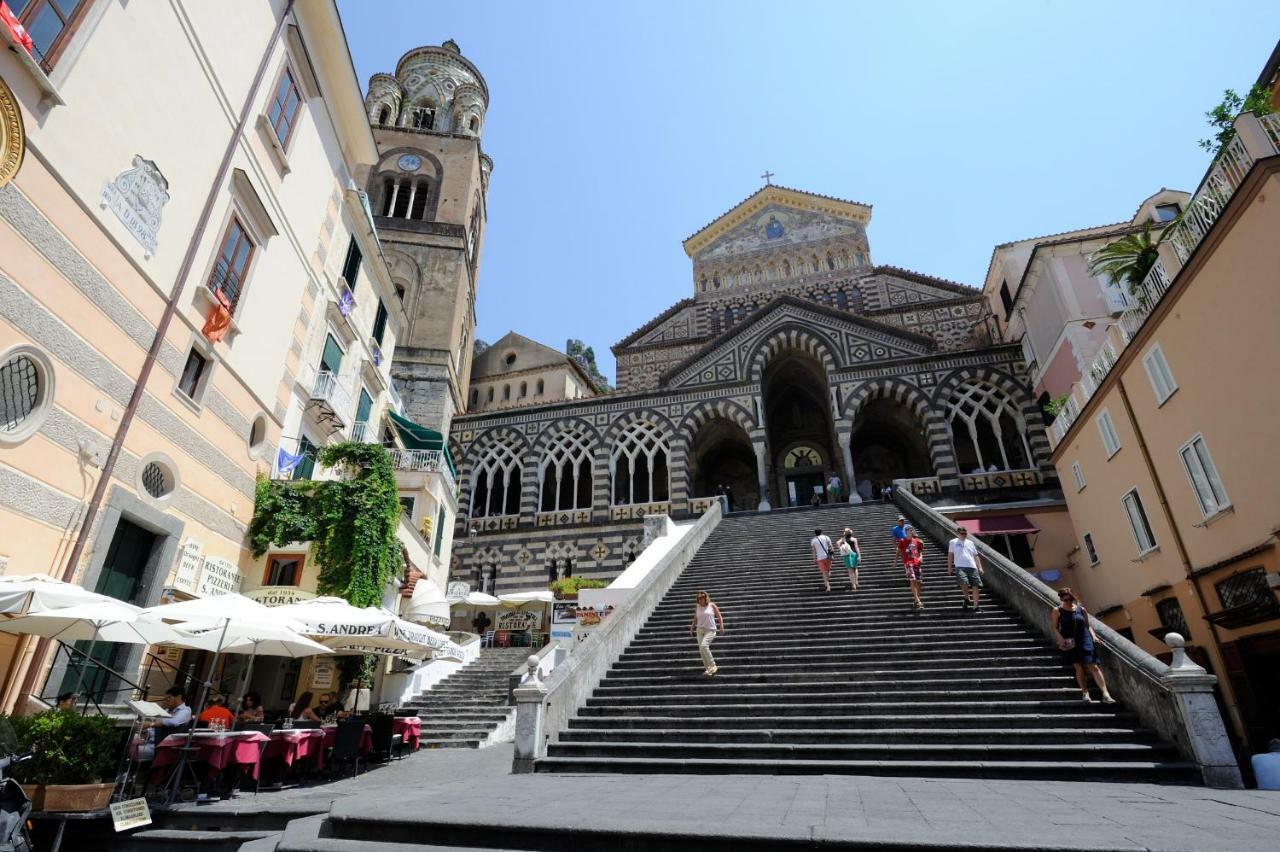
[394, 395]
[364, 433]
[424, 461]
[329, 397]
[1255, 139]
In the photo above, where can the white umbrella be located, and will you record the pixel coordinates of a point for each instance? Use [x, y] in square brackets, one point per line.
[32, 593]
[477, 599]
[108, 620]
[330, 616]
[428, 604]
[519, 599]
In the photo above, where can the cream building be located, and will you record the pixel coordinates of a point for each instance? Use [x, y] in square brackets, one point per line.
[517, 371]
[172, 268]
[1165, 448]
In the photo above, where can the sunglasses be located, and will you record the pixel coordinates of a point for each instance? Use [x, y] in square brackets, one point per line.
[1065, 598]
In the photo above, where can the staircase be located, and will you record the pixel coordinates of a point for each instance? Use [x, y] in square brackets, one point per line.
[847, 682]
[466, 709]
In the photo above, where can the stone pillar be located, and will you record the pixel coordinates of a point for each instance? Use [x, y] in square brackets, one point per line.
[655, 527]
[762, 479]
[529, 737]
[845, 451]
[1192, 690]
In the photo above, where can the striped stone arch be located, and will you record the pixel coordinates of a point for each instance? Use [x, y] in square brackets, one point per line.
[1017, 393]
[616, 432]
[917, 402]
[476, 451]
[792, 337]
[693, 420]
[529, 496]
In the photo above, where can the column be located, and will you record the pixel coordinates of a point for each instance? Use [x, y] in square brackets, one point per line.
[761, 479]
[846, 455]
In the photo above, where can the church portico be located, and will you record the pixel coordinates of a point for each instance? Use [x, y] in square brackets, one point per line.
[901, 383]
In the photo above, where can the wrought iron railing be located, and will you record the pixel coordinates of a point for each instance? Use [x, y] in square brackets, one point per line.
[224, 280]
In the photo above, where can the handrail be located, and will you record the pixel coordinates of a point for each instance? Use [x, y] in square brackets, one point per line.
[91, 693]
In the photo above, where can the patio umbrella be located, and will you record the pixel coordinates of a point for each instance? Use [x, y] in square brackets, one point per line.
[32, 593]
[516, 600]
[429, 605]
[108, 620]
[476, 599]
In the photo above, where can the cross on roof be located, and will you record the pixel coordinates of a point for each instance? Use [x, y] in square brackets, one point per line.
[767, 176]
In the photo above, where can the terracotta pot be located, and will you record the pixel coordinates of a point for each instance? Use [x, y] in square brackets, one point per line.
[76, 797]
[35, 792]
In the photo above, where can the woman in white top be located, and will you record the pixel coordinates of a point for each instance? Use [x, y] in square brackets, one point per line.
[706, 620]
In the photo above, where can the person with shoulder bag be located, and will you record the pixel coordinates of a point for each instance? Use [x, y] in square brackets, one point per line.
[1076, 641]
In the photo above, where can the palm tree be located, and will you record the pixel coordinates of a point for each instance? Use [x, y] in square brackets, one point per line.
[1128, 259]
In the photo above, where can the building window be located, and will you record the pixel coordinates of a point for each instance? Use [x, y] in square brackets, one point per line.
[1107, 429]
[1006, 299]
[26, 393]
[1245, 589]
[541, 387]
[257, 436]
[307, 466]
[564, 476]
[423, 118]
[1158, 372]
[191, 380]
[1090, 549]
[1029, 353]
[380, 322]
[284, 569]
[384, 114]
[1211, 496]
[524, 389]
[475, 396]
[157, 477]
[1167, 212]
[506, 392]
[474, 124]
[1078, 474]
[421, 193]
[406, 506]
[490, 399]
[331, 356]
[50, 24]
[495, 484]
[1138, 524]
[638, 465]
[283, 112]
[1171, 617]
[351, 265]
[232, 264]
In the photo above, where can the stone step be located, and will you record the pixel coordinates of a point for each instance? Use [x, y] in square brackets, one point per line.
[834, 736]
[730, 679]
[1067, 752]
[690, 665]
[938, 702]
[863, 723]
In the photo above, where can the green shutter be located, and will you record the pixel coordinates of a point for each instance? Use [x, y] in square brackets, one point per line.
[366, 404]
[331, 360]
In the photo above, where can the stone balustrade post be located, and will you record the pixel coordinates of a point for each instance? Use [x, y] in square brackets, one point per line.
[762, 477]
[529, 737]
[1192, 690]
[1257, 143]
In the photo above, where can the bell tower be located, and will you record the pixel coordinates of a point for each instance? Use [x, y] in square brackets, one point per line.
[428, 195]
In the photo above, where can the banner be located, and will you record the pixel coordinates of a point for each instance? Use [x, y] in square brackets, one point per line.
[220, 576]
[518, 619]
[279, 595]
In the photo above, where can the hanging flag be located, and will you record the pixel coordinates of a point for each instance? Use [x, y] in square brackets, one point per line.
[19, 32]
[346, 302]
[215, 328]
[286, 461]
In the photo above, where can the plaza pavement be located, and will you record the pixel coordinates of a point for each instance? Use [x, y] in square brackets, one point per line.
[430, 791]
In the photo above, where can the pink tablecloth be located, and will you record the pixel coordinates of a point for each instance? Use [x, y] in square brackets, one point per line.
[297, 745]
[409, 727]
[216, 751]
[331, 737]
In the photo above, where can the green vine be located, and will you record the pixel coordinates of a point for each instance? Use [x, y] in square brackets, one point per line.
[351, 521]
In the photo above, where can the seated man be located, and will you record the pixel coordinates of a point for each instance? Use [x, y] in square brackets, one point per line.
[154, 730]
[217, 712]
[67, 701]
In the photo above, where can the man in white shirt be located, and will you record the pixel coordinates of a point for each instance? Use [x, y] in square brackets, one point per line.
[821, 546]
[962, 558]
[178, 719]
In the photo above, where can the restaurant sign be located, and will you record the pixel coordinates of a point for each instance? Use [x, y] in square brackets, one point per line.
[220, 577]
[279, 595]
[189, 559]
[519, 619]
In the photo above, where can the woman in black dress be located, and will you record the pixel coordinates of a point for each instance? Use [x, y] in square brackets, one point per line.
[1076, 641]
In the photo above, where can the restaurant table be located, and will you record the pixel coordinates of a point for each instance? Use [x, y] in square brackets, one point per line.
[297, 745]
[218, 750]
[331, 737]
[408, 727]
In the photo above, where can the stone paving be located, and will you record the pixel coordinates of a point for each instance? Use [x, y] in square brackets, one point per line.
[468, 786]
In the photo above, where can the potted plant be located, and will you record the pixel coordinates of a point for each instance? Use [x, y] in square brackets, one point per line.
[567, 589]
[73, 760]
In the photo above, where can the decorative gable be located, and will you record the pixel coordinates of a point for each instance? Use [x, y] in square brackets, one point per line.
[681, 326]
[777, 216]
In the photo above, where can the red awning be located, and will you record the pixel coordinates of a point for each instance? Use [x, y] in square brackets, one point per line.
[1003, 525]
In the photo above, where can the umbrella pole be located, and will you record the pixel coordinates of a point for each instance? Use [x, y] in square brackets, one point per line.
[191, 728]
[248, 673]
[80, 678]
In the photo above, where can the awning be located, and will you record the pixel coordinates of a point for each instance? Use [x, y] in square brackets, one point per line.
[1003, 525]
[417, 437]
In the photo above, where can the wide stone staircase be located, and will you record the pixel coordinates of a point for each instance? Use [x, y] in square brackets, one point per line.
[466, 709]
[847, 682]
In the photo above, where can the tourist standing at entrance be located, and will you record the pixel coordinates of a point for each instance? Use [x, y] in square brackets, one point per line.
[900, 536]
[707, 620]
[822, 547]
[962, 559]
[1076, 641]
[852, 556]
[913, 564]
[833, 488]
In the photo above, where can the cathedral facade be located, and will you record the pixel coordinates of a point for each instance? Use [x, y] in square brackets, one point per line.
[795, 358]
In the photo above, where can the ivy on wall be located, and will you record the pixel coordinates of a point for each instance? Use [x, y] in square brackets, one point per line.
[351, 521]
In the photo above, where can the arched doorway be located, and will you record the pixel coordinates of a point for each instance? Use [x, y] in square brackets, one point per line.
[722, 455]
[888, 442]
[797, 405]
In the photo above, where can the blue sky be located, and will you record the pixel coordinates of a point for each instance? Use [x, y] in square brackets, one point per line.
[619, 129]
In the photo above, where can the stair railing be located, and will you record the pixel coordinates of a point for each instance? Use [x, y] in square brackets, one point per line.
[543, 708]
[1176, 700]
[90, 691]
